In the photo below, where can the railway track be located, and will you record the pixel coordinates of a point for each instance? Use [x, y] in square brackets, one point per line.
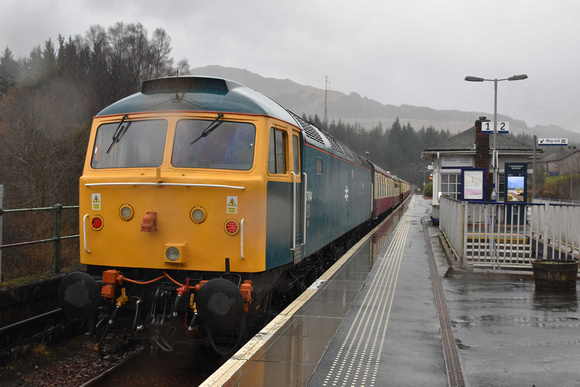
[143, 369]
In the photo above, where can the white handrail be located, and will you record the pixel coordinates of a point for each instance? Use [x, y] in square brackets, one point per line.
[242, 238]
[165, 185]
[510, 234]
[305, 182]
[85, 232]
[293, 212]
[372, 196]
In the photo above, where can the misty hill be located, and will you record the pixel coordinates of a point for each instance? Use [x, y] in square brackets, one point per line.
[367, 112]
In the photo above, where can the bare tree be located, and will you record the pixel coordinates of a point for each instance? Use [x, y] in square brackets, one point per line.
[160, 49]
[183, 67]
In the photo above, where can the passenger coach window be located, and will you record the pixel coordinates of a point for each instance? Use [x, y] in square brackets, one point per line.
[229, 146]
[134, 144]
[277, 152]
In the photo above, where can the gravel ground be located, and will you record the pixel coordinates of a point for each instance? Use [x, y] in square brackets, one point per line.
[71, 364]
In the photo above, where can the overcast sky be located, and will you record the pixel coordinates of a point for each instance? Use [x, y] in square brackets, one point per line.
[396, 52]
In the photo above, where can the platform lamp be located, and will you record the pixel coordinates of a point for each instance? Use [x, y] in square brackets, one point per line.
[495, 157]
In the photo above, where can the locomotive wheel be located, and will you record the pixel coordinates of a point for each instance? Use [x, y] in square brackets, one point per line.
[220, 304]
[79, 296]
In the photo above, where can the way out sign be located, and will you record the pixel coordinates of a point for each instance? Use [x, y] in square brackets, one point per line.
[552, 141]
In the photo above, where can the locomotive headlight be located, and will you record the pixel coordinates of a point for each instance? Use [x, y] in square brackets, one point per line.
[174, 253]
[126, 212]
[198, 214]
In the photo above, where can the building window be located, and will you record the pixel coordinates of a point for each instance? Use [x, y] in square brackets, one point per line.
[451, 186]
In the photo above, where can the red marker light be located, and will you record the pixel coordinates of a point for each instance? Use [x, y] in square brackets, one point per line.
[232, 227]
[97, 222]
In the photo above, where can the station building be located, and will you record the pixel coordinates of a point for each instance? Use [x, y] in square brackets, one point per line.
[562, 163]
[472, 150]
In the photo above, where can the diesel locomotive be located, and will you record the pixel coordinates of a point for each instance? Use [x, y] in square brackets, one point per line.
[204, 203]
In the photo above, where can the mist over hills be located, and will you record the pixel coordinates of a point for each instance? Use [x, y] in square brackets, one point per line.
[367, 112]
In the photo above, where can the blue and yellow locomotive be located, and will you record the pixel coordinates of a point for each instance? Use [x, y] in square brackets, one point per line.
[203, 201]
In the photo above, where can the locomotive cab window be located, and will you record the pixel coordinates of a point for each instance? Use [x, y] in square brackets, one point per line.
[296, 153]
[277, 152]
[230, 145]
[129, 144]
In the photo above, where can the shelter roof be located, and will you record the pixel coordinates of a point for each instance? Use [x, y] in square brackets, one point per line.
[465, 141]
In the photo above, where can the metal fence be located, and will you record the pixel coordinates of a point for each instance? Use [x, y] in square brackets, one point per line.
[510, 234]
[55, 239]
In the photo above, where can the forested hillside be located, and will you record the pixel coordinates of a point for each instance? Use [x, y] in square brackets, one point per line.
[353, 108]
[47, 101]
[396, 148]
[48, 98]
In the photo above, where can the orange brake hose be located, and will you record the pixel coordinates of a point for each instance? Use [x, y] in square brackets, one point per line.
[144, 282]
[172, 280]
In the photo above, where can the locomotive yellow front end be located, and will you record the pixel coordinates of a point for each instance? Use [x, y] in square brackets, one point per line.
[173, 217]
[177, 191]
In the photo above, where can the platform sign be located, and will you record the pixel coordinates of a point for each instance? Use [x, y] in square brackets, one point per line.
[502, 127]
[552, 141]
[473, 184]
[516, 183]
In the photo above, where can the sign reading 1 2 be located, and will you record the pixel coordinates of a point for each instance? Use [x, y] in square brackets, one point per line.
[502, 127]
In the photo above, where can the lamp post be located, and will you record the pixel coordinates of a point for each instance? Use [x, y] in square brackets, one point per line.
[424, 171]
[495, 158]
[572, 148]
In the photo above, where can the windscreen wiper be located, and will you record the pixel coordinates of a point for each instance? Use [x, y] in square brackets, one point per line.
[119, 132]
[210, 128]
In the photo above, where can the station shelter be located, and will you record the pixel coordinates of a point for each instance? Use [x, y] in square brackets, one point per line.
[469, 153]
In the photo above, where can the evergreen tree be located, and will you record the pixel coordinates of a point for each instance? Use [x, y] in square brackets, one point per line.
[48, 57]
[9, 70]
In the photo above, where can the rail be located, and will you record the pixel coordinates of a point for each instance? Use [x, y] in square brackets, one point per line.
[56, 238]
[510, 234]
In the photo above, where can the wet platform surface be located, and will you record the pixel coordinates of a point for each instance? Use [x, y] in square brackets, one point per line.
[372, 321]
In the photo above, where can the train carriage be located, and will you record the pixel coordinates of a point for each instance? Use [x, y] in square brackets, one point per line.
[386, 194]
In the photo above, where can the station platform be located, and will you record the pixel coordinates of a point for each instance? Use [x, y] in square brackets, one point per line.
[383, 315]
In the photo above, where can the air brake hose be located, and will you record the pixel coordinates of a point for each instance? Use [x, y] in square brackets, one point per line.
[192, 323]
[98, 346]
[137, 304]
[175, 304]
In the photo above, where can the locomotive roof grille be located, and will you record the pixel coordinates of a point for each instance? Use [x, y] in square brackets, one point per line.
[311, 132]
[316, 135]
[339, 147]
